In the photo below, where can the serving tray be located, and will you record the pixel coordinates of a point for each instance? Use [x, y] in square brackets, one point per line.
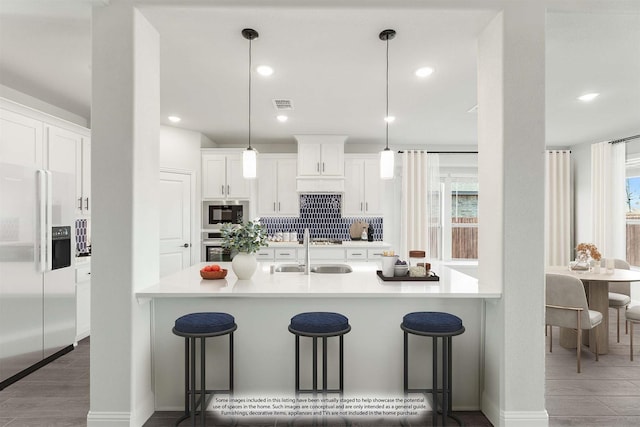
[431, 278]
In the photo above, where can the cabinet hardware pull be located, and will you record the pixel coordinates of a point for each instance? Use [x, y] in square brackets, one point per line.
[322, 166]
[357, 253]
[360, 205]
[222, 189]
[318, 166]
[228, 190]
[274, 206]
[86, 200]
[366, 206]
[80, 203]
[284, 254]
[279, 209]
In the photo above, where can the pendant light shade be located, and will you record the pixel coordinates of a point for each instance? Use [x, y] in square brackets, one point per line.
[249, 156]
[249, 163]
[386, 156]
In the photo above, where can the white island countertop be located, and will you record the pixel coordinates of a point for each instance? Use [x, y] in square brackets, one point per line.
[362, 282]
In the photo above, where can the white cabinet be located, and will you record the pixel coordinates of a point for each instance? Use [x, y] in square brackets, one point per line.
[363, 187]
[83, 301]
[70, 152]
[265, 254]
[277, 185]
[222, 177]
[320, 155]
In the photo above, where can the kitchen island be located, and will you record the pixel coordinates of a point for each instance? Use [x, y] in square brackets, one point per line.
[264, 348]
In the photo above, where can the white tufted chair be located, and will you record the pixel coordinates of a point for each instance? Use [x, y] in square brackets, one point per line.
[619, 296]
[566, 306]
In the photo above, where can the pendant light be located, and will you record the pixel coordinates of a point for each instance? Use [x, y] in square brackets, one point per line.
[386, 155]
[249, 156]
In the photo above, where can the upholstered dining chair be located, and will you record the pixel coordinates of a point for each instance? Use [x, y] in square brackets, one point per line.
[619, 296]
[566, 306]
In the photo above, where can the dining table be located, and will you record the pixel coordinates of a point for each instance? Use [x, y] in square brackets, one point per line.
[596, 285]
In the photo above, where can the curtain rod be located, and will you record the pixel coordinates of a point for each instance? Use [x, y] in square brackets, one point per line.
[628, 138]
[443, 152]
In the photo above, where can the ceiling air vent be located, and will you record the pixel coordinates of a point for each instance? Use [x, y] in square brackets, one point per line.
[282, 104]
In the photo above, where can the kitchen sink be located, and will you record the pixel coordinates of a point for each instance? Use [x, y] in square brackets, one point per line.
[331, 268]
[289, 268]
[317, 268]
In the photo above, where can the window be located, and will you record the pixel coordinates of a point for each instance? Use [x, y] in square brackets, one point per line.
[455, 237]
[633, 207]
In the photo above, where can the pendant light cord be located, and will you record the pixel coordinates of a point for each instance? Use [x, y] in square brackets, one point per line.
[249, 95]
[386, 119]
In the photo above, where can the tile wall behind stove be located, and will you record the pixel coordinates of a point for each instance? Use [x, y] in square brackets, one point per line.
[322, 215]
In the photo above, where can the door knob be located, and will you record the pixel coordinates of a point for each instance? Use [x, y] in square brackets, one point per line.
[186, 245]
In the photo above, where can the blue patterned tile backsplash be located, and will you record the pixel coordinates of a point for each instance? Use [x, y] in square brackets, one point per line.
[321, 214]
[82, 236]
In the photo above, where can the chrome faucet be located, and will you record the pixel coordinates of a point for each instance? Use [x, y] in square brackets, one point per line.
[307, 257]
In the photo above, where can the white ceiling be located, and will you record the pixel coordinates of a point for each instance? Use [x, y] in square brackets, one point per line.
[330, 62]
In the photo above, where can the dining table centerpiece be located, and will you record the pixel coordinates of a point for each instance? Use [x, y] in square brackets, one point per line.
[587, 256]
[244, 240]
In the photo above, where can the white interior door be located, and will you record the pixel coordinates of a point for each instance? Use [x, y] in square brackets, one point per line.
[175, 222]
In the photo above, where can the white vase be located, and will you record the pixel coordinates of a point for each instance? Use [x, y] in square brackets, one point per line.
[244, 265]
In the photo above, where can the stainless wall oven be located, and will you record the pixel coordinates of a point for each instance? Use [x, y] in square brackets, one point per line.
[212, 248]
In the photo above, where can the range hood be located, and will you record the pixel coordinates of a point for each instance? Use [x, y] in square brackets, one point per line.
[320, 163]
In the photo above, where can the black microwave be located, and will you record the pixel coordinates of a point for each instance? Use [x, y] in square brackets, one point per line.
[225, 214]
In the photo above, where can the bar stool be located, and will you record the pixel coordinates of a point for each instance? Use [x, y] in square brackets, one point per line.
[191, 327]
[435, 325]
[319, 325]
[632, 316]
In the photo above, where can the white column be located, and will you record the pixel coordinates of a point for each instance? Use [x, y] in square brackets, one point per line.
[511, 143]
[125, 176]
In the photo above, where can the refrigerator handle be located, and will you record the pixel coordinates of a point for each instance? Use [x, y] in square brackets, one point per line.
[49, 220]
[41, 220]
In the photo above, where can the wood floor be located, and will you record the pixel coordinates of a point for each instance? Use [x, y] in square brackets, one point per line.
[606, 393]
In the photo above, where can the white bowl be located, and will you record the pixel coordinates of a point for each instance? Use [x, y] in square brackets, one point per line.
[400, 270]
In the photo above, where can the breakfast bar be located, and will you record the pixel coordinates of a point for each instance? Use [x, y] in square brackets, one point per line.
[264, 348]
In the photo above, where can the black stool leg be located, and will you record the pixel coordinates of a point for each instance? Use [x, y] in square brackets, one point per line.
[231, 363]
[341, 366]
[434, 381]
[406, 363]
[297, 365]
[203, 387]
[186, 376]
[315, 366]
[324, 365]
[193, 381]
[445, 381]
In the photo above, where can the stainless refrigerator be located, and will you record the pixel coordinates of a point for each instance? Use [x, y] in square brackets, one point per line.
[37, 246]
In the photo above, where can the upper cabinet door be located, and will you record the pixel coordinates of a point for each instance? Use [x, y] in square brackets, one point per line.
[267, 194]
[309, 159]
[372, 187]
[288, 200]
[332, 159]
[237, 186]
[64, 149]
[214, 185]
[20, 140]
[353, 202]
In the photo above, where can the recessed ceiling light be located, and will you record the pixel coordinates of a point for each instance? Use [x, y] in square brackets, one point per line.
[174, 119]
[424, 72]
[389, 119]
[588, 97]
[264, 70]
[282, 118]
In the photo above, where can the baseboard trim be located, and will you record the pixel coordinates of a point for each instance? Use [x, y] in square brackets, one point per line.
[500, 418]
[110, 419]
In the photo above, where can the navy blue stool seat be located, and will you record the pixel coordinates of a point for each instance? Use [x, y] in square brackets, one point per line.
[435, 325]
[200, 326]
[319, 325]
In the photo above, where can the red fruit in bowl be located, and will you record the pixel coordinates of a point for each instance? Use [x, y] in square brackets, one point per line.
[215, 267]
